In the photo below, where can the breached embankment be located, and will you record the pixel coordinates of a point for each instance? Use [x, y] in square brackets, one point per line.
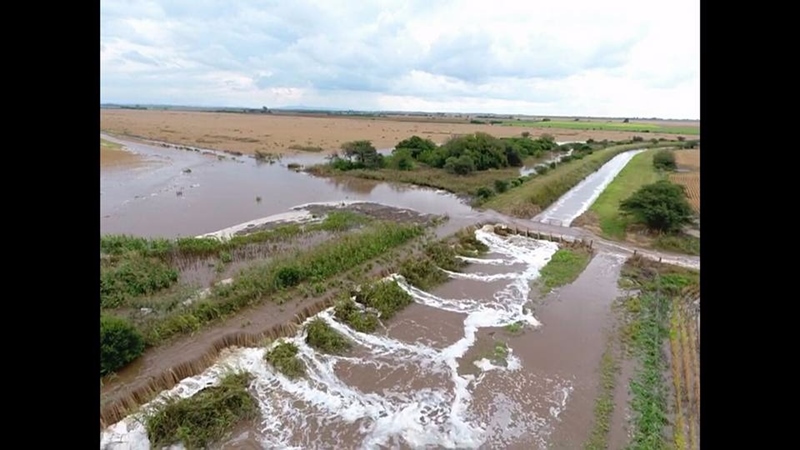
[440, 416]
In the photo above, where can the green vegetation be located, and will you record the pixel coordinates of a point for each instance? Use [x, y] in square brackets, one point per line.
[646, 328]
[356, 316]
[604, 403]
[679, 243]
[423, 271]
[110, 145]
[563, 268]
[516, 327]
[530, 197]
[464, 164]
[283, 357]
[204, 418]
[320, 336]
[610, 126]
[385, 296]
[665, 160]
[119, 245]
[120, 343]
[133, 276]
[639, 172]
[661, 206]
[259, 282]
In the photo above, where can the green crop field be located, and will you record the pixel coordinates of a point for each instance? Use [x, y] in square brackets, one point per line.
[607, 126]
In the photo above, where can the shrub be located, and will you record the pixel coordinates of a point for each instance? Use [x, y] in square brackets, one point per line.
[664, 160]
[321, 336]
[283, 357]
[661, 206]
[120, 343]
[501, 185]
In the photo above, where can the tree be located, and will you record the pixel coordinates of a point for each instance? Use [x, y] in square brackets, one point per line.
[416, 145]
[363, 153]
[462, 165]
[664, 160]
[661, 206]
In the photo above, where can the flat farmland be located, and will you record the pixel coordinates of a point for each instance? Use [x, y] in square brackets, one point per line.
[689, 162]
[287, 134]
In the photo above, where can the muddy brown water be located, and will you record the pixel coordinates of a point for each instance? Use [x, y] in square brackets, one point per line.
[426, 380]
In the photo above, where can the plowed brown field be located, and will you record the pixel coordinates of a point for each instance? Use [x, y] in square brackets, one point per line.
[287, 134]
[689, 160]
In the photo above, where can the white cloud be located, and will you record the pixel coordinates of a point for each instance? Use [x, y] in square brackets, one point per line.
[618, 58]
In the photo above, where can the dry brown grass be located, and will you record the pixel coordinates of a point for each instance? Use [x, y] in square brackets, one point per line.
[689, 160]
[278, 133]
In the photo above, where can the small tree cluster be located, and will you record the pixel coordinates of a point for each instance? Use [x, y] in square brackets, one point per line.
[120, 343]
[661, 206]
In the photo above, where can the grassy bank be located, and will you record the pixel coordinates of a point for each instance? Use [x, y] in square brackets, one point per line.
[637, 173]
[646, 330]
[108, 145]
[279, 279]
[529, 198]
[203, 419]
[563, 268]
[604, 403]
[633, 127]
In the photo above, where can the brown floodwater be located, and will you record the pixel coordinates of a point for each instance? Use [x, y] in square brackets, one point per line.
[187, 193]
[445, 372]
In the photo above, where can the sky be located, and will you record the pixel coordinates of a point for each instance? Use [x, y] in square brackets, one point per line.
[615, 58]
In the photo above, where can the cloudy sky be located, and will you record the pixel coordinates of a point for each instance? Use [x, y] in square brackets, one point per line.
[621, 58]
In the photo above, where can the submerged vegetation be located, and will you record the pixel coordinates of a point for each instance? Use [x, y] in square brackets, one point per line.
[564, 267]
[204, 418]
[320, 336]
[283, 357]
[271, 280]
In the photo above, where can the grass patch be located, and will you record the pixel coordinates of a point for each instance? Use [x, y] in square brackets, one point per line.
[637, 173]
[355, 316]
[563, 268]
[283, 357]
[110, 145]
[385, 296]
[256, 283]
[607, 126]
[320, 336]
[306, 148]
[680, 243]
[203, 419]
[516, 327]
[133, 277]
[604, 404]
[541, 191]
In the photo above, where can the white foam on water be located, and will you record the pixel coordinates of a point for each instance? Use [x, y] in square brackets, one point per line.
[438, 417]
[292, 216]
[564, 211]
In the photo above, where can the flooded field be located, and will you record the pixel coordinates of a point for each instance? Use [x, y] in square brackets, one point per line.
[482, 361]
[209, 193]
[578, 199]
[427, 380]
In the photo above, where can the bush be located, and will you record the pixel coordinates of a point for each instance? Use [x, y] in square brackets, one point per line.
[120, 343]
[283, 357]
[484, 193]
[501, 185]
[321, 336]
[661, 206]
[132, 277]
[348, 312]
[463, 165]
[665, 160]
